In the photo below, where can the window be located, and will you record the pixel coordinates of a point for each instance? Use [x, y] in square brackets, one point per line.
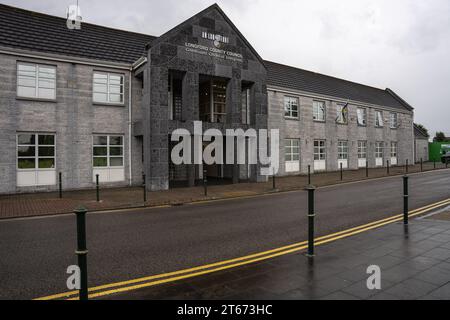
[36, 81]
[175, 95]
[362, 116]
[393, 120]
[342, 114]
[343, 150]
[213, 99]
[107, 151]
[319, 150]
[108, 88]
[319, 111]
[291, 107]
[379, 150]
[362, 149]
[292, 150]
[245, 103]
[393, 149]
[35, 151]
[379, 119]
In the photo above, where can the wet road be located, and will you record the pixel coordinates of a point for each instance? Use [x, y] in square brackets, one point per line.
[35, 253]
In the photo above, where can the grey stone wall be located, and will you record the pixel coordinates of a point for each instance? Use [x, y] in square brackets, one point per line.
[422, 151]
[73, 118]
[169, 53]
[308, 130]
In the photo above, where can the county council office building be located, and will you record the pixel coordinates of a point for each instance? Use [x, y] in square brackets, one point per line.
[105, 101]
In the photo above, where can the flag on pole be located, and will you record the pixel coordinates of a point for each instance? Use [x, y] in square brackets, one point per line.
[342, 117]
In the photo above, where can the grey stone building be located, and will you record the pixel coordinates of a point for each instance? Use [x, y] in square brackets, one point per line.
[101, 101]
[421, 144]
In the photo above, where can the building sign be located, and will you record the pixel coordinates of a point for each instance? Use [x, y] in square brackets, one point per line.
[214, 52]
[217, 38]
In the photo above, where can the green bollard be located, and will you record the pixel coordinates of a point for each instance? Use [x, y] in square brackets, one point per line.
[405, 200]
[97, 184]
[82, 251]
[311, 216]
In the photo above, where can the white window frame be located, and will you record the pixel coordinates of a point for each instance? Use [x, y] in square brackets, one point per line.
[379, 149]
[289, 104]
[292, 145]
[361, 114]
[37, 79]
[362, 149]
[319, 111]
[320, 151]
[108, 147]
[394, 149]
[379, 122]
[393, 119]
[342, 150]
[36, 147]
[108, 88]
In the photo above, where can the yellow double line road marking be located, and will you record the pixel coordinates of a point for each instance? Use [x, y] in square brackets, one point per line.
[154, 280]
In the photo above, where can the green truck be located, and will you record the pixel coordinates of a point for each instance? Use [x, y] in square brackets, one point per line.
[440, 152]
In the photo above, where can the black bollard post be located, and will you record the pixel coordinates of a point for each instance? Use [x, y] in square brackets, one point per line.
[82, 251]
[367, 169]
[60, 185]
[342, 172]
[311, 216]
[97, 187]
[421, 165]
[144, 187]
[205, 182]
[274, 185]
[405, 200]
[309, 174]
[387, 167]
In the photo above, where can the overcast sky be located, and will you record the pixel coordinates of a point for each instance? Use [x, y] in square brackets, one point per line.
[401, 44]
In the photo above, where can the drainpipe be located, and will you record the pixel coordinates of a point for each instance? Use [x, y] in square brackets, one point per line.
[129, 127]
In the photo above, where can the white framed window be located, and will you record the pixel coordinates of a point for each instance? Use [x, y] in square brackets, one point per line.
[379, 149]
[108, 88]
[362, 116]
[394, 147]
[319, 150]
[292, 155]
[393, 120]
[319, 111]
[36, 159]
[292, 150]
[291, 107]
[362, 149]
[35, 151]
[343, 150]
[107, 151]
[342, 114]
[379, 119]
[108, 158]
[36, 81]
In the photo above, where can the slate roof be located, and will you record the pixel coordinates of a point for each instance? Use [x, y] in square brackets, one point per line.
[28, 30]
[298, 79]
[39, 32]
[418, 132]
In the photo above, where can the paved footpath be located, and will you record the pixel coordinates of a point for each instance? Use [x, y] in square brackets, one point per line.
[26, 205]
[414, 265]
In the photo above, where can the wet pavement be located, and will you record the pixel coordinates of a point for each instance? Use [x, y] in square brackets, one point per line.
[414, 263]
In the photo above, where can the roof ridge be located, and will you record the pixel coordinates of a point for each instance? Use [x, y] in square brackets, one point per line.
[326, 75]
[28, 11]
